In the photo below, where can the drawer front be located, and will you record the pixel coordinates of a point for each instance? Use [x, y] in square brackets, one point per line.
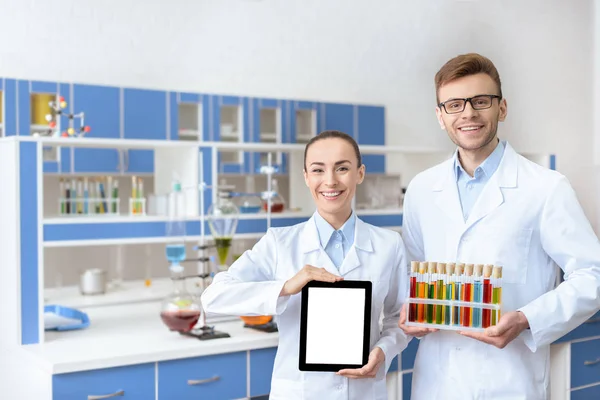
[216, 377]
[590, 393]
[585, 363]
[589, 328]
[128, 383]
[261, 371]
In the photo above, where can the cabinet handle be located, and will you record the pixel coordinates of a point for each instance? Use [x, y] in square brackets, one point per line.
[193, 382]
[592, 321]
[107, 396]
[597, 361]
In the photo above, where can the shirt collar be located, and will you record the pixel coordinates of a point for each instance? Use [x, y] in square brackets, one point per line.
[325, 230]
[487, 167]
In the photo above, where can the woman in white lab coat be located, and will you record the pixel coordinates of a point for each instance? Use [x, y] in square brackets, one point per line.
[268, 279]
[526, 219]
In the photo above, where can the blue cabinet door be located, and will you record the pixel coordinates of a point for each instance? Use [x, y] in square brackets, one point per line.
[216, 377]
[340, 117]
[585, 363]
[261, 371]
[589, 328]
[371, 131]
[406, 386]
[136, 382]
[589, 393]
[100, 105]
[409, 354]
[145, 117]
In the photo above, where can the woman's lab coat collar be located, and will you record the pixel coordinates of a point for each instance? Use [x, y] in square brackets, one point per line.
[309, 242]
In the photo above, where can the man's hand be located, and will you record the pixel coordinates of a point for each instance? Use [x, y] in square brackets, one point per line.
[306, 274]
[376, 359]
[412, 330]
[509, 327]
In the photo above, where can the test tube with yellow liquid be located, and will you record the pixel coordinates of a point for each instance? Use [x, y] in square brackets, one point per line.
[422, 291]
[496, 292]
[440, 289]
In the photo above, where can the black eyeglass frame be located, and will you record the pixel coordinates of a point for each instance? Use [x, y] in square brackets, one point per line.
[469, 100]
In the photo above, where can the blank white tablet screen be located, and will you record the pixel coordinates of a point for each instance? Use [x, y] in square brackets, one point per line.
[335, 325]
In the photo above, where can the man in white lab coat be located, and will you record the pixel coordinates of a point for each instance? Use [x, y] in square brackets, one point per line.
[490, 205]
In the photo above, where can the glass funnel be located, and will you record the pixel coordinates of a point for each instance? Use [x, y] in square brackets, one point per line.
[180, 310]
[222, 221]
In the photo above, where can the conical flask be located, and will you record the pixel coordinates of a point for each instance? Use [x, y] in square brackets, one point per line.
[222, 221]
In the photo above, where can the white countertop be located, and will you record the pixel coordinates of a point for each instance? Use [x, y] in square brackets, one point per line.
[134, 334]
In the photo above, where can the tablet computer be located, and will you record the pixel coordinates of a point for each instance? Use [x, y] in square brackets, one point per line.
[335, 323]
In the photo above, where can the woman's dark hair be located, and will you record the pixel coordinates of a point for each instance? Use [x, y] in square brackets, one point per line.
[331, 135]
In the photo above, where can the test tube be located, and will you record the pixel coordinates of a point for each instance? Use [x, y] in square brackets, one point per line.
[86, 196]
[412, 309]
[487, 295]
[496, 292]
[458, 292]
[61, 190]
[440, 288]
[133, 195]
[115, 195]
[68, 197]
[140, 194]
[79, 197]
[468, 285]
[73, 196]
[422, 291]
[449, 292]
[432, 282]
[477, 294]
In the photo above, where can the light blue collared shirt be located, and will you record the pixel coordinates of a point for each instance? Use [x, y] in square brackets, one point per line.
[469, 187]
[336, 243]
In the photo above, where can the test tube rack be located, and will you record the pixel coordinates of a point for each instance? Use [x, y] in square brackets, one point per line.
[454, 296]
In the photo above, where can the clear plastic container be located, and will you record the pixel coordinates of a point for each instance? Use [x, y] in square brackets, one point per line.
[250, 204]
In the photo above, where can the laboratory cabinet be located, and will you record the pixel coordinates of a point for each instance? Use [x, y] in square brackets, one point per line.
[135, 113]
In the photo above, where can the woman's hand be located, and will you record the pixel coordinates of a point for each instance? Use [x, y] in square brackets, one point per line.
[414, 331]
[306, 274]
[376, 360]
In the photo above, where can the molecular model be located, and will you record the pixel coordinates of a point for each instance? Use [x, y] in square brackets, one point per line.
[57, 107]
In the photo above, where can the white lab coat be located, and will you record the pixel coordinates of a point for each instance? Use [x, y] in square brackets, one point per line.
[252, 285]
[528, 220]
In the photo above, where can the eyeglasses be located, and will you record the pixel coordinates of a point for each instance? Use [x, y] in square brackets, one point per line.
[481, 102]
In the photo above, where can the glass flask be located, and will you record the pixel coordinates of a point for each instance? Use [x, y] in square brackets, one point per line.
[222, 221]
[277, 202]
[180, 310]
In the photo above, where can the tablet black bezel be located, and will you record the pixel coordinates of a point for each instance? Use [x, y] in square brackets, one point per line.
[368, 287]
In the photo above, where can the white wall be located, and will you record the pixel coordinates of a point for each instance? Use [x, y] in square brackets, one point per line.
[384, 52]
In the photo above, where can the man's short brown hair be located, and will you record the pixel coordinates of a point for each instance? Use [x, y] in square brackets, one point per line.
[465, 65]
